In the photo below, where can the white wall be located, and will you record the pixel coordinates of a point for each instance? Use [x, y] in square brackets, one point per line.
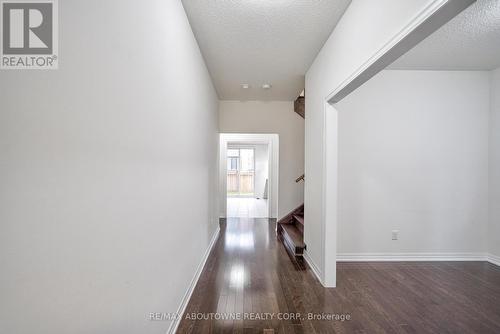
[261, 169]
[107, 170]
[413, 157]
[494, 227]
[272, 117]
[350, 46]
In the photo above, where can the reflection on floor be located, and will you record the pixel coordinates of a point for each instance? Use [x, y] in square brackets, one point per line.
[251, 285]
[244, 207]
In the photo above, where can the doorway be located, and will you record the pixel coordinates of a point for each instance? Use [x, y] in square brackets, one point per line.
[247, 180]
[248, 175]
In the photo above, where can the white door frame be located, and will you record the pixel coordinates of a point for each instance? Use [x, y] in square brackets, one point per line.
[272, 140]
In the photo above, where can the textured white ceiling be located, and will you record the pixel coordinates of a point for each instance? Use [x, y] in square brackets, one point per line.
[470, 41]
[261, 41]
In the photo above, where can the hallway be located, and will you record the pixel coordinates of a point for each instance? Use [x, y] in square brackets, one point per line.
[250, 166]
[249, 272]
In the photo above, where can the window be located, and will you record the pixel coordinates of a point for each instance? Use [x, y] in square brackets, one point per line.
[233, 157]
[232, 164]
[247, 163]
[240, 171]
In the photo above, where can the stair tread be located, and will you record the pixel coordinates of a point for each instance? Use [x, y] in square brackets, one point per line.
[293, 232]
[299, 218]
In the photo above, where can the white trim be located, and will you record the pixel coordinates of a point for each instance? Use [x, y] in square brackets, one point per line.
[373, 257]
[405, 31]
[314, 268]
[494, 259]
[330, 194]
[428, 20]
[415, 257]
[187, 296]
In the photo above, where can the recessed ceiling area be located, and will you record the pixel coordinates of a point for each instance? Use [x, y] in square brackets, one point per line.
[470, 41]
[259, 42]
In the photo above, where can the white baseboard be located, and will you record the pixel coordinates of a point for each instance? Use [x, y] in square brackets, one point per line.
[494, 259]
[314, 268]
[187, 296]
[372, 257]
[402, 257]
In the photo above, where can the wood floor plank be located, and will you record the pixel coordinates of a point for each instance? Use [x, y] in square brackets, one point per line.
[250, 272]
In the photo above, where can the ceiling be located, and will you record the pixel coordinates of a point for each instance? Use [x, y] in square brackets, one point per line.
[470, 41]
[261, 41]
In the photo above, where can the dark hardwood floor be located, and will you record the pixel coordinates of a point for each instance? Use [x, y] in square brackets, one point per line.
[250, 272]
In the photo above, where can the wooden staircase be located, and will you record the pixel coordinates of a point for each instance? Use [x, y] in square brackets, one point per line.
[290, 230]
[299, 106]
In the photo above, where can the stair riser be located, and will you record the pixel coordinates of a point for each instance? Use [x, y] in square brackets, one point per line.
[288, 242]
[297, 251]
